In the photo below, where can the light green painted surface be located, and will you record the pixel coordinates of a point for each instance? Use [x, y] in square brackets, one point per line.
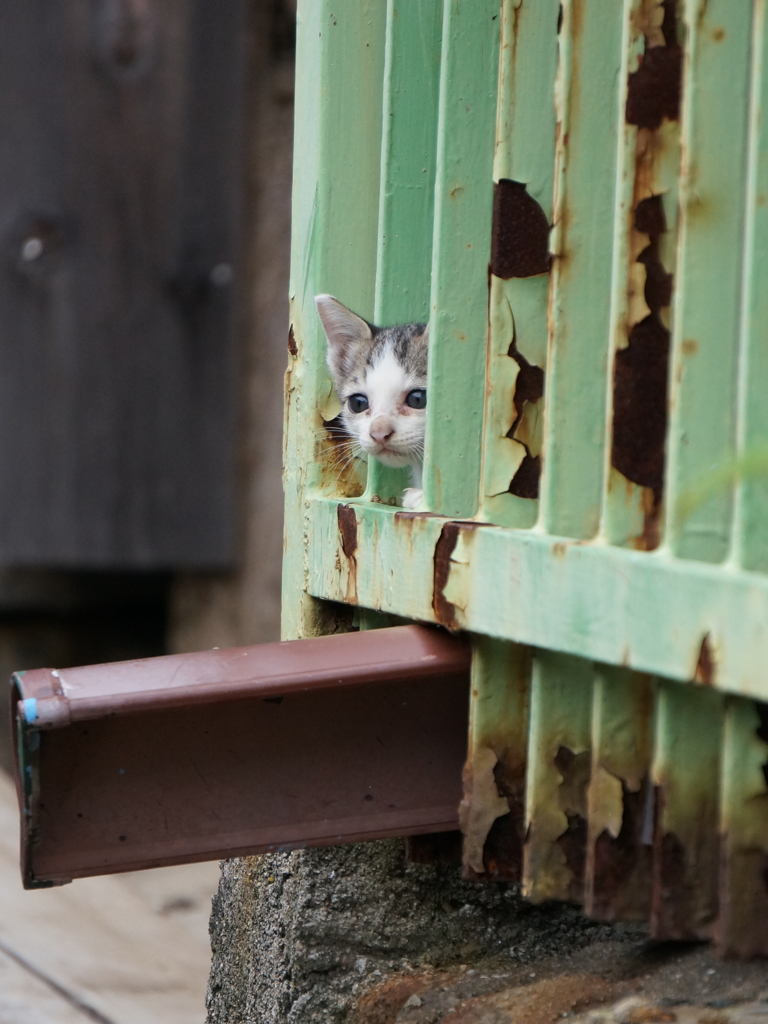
[751, 536]
[646, 664]
[585, 175]
[708, 293]
[525, 152]
[619, 606]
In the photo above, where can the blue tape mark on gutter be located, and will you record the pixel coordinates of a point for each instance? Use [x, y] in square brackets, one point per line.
[30, 709]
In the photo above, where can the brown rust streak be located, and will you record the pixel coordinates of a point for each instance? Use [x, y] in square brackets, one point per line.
[445, 612]
[622, 865]
[503, 851]
[641, 369]
[654, 89]
[684, 896]
[519, 233]
[347, 520]
[575, 770]
[705, 666]
[529, 389]
[292, 346]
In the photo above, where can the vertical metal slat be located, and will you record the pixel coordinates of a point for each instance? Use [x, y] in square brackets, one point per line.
[588, 92]
[524, 195]
[493, 808]
[707, 303]
[407, 182]
[459, 302]
[620, 800]
[558, 777]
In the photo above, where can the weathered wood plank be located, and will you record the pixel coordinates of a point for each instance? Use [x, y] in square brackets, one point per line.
[120, 199]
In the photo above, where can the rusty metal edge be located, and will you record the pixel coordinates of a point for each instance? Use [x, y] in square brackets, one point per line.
[402, 653]
[52, 698]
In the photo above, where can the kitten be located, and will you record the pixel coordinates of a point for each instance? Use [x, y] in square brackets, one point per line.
[380, 374]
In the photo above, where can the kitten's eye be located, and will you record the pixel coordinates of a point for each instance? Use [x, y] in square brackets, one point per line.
[357, 403]
[417, 399]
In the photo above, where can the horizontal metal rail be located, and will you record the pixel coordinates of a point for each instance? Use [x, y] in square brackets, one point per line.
[229, 752]
[650, 612]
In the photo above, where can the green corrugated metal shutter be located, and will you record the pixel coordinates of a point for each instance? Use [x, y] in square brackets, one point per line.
[609, 162]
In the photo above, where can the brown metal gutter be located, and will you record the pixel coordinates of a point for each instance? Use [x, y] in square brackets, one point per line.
[228, 752]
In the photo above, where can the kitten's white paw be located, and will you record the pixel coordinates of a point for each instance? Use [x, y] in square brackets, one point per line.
[412, 497]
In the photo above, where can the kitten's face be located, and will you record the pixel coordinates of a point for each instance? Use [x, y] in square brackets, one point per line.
[381, 379]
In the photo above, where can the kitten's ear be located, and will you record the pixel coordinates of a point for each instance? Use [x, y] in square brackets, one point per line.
[343, 329]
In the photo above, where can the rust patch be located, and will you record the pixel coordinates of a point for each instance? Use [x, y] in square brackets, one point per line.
[525, 482]
[655, 88]
[690, 347]
[575, 770]
[348, 530]
[640, 405]
[705, 666]
[641, 370]
[684, 899]
[762, 734]
[503, 845]
[520, 232]
[347, 521]
[292, 346]
[445, 612]
[529, 385]
[650, 538]
[622, 866]
[503, 852]
[529, 389]
[668, 900]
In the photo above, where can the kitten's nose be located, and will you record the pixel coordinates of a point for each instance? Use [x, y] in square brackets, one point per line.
[381, 431]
